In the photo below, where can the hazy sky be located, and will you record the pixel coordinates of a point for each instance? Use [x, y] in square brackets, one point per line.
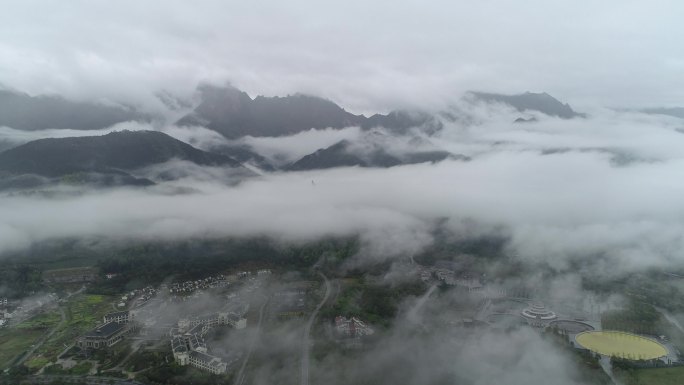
[365, 55]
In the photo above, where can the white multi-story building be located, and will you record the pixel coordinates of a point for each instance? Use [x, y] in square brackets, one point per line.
[207, 362]
[120, 317]
[214, 319]
[190, 349]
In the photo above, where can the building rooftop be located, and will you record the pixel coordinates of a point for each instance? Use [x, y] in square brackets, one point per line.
[106, 330]
[116, 314]
[196, 342]
[205, 358]
[178, 345]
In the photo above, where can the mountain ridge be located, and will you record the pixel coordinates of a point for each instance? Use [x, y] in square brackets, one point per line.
[541, 102]
[24, 112]
[234, 114]
[113, 154]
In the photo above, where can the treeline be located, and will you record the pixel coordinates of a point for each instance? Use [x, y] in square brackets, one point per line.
[377, 304]
[150, 264]
[637, 317]
[20, 280]
[653, 287]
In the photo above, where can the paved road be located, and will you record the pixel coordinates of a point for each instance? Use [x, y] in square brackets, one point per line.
[412, 315]
[670, 318]
[307, 333]
[240, 378]
[608, 368]
[86, 380]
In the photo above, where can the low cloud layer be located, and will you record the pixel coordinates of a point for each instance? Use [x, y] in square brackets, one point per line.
[283, 150]
[560, 190]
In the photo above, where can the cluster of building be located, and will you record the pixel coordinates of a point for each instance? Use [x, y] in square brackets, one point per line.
[232, 319]
[451, 274]
[187, 333]
[140, 296]
[189, 347]
[259, 273]
[352, 327]
[188, 287]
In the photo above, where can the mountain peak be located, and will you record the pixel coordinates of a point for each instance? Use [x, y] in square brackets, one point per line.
[542, 102]
[111, 153]
[24, 112]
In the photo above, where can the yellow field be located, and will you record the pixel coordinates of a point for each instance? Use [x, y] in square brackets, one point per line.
[621, 344]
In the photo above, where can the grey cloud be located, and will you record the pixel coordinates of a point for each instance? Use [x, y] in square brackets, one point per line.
[554, 207]
[367, 57]
[288, 149]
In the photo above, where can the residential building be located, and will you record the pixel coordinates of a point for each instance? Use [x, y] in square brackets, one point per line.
[190, 349]
[120, 317]
[214, 319]
[207, 362]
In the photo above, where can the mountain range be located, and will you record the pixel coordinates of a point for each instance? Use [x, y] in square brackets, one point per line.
[677, 112]
[343, 154]
[234, 114]
[112, 159]
[24, 112]
[530, 101]
[107, 159]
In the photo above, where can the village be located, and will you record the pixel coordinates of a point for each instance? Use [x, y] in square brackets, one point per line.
[216, 325]
[188, 319]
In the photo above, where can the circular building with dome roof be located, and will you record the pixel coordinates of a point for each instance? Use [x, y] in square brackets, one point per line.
[537, 311]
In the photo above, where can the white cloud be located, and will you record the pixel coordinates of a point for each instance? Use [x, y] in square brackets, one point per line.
[366, 56]
[554, 205]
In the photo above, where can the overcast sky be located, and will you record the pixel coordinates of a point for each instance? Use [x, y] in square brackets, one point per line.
[364, 55]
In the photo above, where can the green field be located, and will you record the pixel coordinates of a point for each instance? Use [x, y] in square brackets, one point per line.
[13, 343]
[18, 339]
[82, 312]
[41, 321]
[656, 376]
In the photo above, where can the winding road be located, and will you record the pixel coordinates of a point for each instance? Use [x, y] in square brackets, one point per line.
[670, 318]
[307, 333]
